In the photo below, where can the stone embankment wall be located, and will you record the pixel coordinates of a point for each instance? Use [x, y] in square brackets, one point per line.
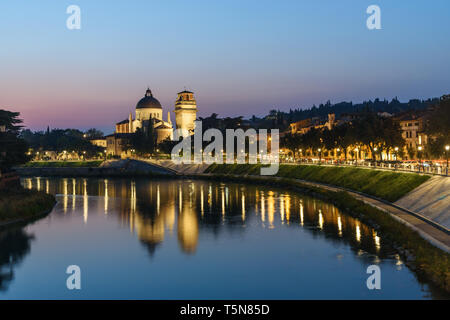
[117, 168]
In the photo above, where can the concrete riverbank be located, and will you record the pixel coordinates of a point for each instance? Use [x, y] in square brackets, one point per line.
[431, 199]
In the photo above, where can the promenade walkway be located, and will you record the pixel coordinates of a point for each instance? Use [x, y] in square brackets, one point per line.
[431, 199]
[437, 235]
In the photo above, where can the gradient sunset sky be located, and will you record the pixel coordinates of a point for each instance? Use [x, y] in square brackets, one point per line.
[239, 57]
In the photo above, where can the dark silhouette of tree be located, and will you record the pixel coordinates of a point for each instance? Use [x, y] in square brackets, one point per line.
[14, 246]
[59, 140]
[438, 127]
[143, 141]
[94, 134]
[345, 137]
[291, 142]
[13, 149]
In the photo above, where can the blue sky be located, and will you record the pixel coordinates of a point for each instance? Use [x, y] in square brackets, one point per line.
[239, 57]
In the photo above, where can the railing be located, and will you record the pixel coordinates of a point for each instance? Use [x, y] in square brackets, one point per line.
[424, 167]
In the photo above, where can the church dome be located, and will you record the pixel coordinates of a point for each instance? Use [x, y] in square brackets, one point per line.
[148, 101]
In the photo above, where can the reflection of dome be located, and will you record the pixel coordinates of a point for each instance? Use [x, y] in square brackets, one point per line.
[148, 101]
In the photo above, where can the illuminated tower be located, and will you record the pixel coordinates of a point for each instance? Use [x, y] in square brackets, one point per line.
[185, 111]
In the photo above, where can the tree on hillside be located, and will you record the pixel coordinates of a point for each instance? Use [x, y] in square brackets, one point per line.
[438, 127]
[94, 134]
[291, 142]
[345, 137]
[313, 140]
[13, 149]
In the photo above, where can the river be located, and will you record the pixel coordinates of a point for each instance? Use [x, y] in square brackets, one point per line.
[193, 239]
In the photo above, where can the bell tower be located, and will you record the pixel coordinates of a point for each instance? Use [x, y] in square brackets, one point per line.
[185, 111]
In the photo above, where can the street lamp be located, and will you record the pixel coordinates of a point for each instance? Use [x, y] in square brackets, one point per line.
[419, 153]
[447, 148]
[320, 155]
[396, 150]
[356, 152]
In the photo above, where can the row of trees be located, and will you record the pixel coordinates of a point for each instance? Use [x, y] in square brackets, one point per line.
[370, 131]
[377, 134]
[59, 140]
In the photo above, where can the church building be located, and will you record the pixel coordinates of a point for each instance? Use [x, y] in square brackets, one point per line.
[149, 112]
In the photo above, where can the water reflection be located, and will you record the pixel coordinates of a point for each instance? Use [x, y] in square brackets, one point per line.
[172, 217]
[14, 246]
[151, 209]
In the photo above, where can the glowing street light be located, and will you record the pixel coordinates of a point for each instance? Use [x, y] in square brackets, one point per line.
[375, 149]
[447, 148]
[419, 153]
[396, 151]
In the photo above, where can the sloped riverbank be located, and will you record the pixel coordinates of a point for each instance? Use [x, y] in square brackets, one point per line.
[19, 205]
[386, 185]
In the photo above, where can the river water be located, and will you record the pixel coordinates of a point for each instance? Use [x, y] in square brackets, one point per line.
[183, 239]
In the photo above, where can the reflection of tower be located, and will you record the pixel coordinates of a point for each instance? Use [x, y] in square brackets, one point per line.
[188, 230]
[185, 112]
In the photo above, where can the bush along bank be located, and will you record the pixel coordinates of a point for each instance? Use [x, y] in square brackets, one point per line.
[18, 205]
[63, 164]
[418, 254]
[386, 185]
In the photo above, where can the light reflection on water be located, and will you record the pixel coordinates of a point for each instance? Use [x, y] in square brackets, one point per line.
[211, 221]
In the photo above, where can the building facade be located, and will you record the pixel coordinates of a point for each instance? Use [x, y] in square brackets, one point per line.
[149, 113]
[99, 142]
[412, 125]
[303, 126]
